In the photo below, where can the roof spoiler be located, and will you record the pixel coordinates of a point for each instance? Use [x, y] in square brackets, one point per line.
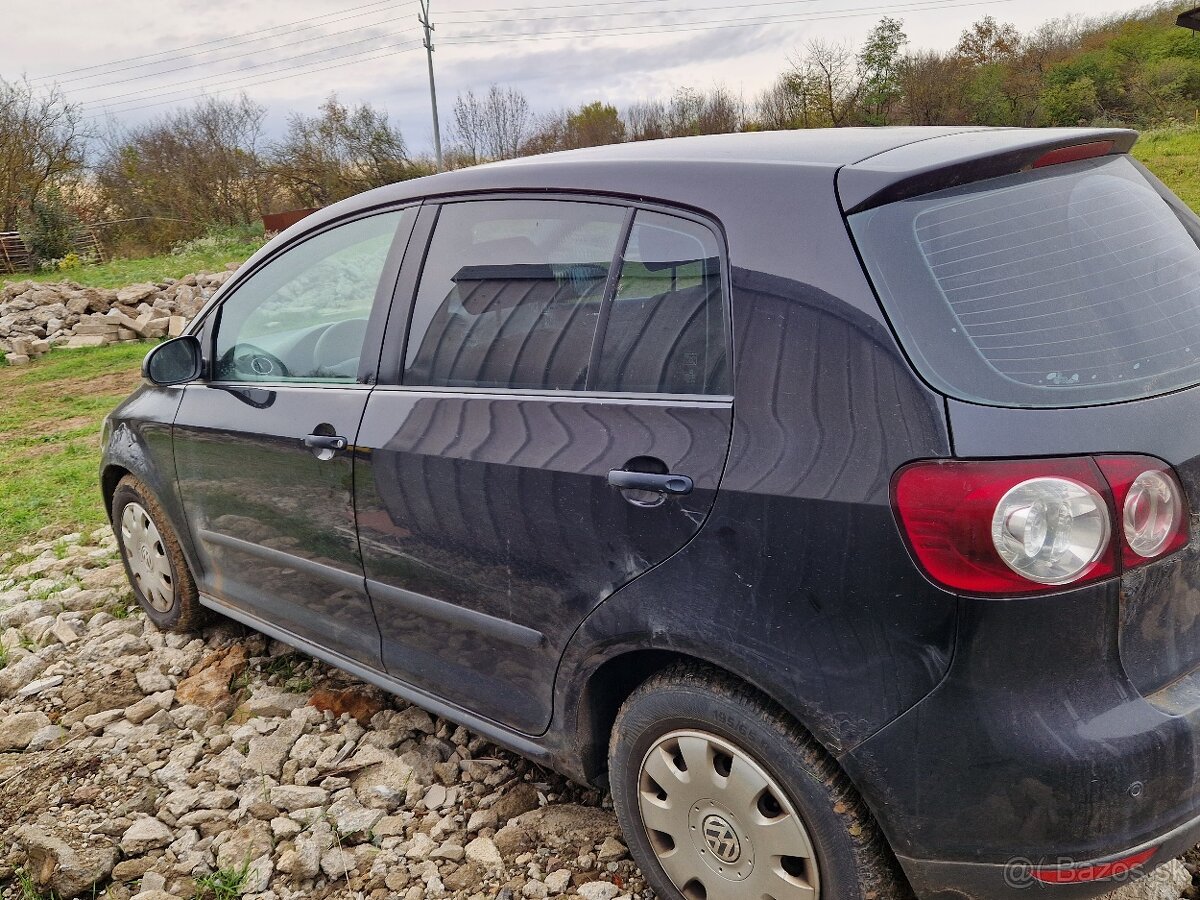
[945, 162]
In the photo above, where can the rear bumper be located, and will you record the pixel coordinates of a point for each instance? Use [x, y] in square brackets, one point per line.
[1036, 748]
[933, 880]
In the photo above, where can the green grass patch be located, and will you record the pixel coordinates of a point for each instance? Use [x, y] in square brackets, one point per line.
[224, 884]
[50, 437]
[1173, 154]
[119, 272]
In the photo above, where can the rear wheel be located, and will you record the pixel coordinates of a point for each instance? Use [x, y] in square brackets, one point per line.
[154, 562]
[723, 797]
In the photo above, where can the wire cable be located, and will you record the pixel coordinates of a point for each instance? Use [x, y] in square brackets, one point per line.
[213, 62]
[755, 21]
[164, 89]
[397, 49]
[222, 40]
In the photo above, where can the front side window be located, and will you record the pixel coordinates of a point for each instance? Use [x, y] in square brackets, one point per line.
[303, 316]
[1072, 285]
[510, 294]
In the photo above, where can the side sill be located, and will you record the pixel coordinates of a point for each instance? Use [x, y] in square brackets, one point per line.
[513, 741]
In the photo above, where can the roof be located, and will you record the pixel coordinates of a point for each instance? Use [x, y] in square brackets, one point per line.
[695, 170]
[1190, 19]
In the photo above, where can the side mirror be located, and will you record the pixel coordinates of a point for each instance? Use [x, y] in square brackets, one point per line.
[175, 361]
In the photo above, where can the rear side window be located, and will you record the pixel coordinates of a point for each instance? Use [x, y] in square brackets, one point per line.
[1075, 285]
[521, 294]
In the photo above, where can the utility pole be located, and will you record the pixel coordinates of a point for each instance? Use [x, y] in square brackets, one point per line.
[423, 18]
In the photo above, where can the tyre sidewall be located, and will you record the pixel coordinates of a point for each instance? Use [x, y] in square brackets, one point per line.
[678, 707]
[124, 495]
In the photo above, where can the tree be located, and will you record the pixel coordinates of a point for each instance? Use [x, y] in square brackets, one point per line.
[988, 41]
[43, 143]
[493, 127]
[879, 63]
[187, 169]
[830, 68]
[339, 152]
[593, 125]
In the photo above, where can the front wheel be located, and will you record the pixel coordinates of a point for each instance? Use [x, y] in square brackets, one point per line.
[723, 797]
[158, 573]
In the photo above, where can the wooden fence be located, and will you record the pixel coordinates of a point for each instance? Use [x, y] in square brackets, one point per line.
[15, 255]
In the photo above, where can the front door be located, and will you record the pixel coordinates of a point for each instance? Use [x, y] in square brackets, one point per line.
[264, 448]
[564, 359]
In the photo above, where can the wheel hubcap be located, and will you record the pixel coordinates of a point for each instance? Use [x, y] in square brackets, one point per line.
[146, 554]
[720, 826]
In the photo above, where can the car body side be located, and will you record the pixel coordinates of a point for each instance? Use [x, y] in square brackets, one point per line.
[799, 581]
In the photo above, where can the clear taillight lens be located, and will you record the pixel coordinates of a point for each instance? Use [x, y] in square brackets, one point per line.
[1153, 511]
[1050, 530]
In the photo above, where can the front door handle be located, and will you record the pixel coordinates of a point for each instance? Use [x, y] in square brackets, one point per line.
[677, 485]
[325, 442]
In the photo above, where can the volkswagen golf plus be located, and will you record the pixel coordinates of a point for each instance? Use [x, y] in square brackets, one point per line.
[828, 496]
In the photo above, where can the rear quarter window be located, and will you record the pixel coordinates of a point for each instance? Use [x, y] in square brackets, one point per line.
[1074, 285]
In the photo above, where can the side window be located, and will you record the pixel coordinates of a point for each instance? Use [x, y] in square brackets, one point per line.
[666, 329]
[303, 316]
[510, 294]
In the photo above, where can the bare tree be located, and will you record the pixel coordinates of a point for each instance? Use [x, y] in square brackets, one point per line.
[831, 69]
[340, 152]
[646, 121]
[492, 127]
[43, 143]
[506, 121]
[469, 127]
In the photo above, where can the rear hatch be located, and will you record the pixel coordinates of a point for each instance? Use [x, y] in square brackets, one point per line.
[1051, 291]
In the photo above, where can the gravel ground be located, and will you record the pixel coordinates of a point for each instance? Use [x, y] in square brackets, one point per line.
[136, 763]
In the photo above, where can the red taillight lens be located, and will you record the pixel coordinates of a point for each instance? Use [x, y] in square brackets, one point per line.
[1004, 527]
[1072, 154]
[959, 516]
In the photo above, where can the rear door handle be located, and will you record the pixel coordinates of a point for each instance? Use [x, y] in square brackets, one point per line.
[325, 441]
[648, 481]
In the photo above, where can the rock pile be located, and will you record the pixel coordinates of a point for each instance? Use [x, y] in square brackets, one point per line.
[35, 317]
[137, 763]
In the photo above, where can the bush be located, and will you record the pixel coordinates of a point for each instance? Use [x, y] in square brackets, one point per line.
[50, 228]
[222, 240]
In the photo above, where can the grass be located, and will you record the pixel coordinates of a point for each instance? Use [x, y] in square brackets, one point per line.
[1173, 154]
[224, 884]
[119, 272]
[50, 437]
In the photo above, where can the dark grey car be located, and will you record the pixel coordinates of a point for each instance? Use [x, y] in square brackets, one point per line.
[825, 494]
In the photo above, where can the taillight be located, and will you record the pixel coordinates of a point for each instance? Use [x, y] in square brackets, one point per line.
[1150, 505]
[1002, 527]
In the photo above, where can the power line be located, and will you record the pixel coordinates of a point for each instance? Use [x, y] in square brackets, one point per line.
[213, 62]
[164, 89]
[249, 53]
[587, 15]
[222, 40]
[255, 83]
[754, 21]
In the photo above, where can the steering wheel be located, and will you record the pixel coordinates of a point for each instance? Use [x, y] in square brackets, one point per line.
[257, 362]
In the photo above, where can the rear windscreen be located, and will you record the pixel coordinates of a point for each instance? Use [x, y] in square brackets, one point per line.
[1074, 285]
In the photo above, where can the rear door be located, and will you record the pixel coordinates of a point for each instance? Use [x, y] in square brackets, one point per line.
[264, 447]
[566, 360]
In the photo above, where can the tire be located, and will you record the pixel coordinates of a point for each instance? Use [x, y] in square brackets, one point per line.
[767, 787]
[154, 563]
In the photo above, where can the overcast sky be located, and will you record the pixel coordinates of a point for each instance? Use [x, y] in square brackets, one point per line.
[124, 58]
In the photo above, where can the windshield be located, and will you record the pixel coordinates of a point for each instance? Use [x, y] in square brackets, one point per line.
[1074, 285]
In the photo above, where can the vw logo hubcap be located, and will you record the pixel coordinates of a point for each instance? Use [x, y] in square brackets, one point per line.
[721, 839]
